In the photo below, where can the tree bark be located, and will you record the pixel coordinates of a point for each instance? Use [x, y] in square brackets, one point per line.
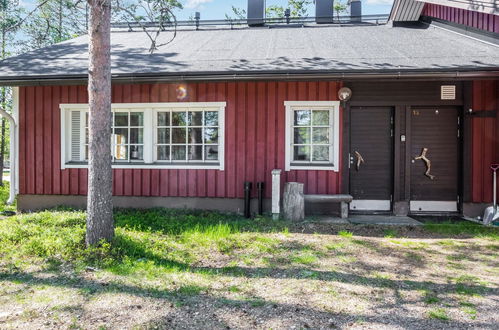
[293, 201]
[100, 224]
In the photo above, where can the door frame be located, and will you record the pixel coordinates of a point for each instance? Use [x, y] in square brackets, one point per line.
[460, 153]
[347, 138]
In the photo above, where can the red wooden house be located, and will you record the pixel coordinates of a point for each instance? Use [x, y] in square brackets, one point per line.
[222, 105]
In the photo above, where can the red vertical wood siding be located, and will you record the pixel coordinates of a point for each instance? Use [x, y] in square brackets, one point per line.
[483, 21]
[254, 140]
[485, 134]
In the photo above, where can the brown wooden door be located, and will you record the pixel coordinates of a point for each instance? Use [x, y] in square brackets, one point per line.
[371, 180]
[436, 130]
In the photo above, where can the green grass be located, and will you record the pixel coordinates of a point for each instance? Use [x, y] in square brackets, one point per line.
[390, 233]
[438, 313]
[430, 297]
[346, 234]
[4, 196]
[304, 259]
[146, 243]
[182, 257]
[463, 228]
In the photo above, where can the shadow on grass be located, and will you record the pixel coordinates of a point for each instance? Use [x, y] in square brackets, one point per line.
[180, 298]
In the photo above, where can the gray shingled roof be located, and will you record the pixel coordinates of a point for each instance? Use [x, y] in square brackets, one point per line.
[277, 50]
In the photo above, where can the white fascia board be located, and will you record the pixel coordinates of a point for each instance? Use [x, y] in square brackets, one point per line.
[481, 6]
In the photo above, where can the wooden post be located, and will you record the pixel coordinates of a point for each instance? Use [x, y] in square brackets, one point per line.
[276, 193]
[293, 202]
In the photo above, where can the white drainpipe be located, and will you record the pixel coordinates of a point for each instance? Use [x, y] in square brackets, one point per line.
[13, 151]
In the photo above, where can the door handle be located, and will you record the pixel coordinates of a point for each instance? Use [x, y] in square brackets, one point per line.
[427, 163]
[360, 160]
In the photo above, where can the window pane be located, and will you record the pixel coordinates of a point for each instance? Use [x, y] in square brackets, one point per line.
[211, 118]
[178, 152]
[136, 135]
[120, 136]
[121, 119]
[195, 135]
[120, 152]
[137, 152]
[178, 135]
[163, 153]
[301, 153]
[211, 135]
[211, 152]
[321, 153]
[86, 135]
[302, 135]
[320, 117]
[86, 119]
[178, 119]
[195, 153]
[195, 118]
[302, 118]
[320, 135]
[163, 135]
[163, 119]
[136, 119]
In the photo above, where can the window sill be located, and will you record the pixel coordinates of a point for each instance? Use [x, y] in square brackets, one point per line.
[153, 166]
[312, 167]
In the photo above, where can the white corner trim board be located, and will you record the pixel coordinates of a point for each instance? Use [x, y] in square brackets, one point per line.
[73, 136]
[13, 144]
[334, 136]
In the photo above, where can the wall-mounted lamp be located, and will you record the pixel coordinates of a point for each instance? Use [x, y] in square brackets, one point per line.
[344, 94]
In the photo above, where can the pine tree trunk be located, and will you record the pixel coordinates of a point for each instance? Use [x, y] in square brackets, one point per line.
[100, 224]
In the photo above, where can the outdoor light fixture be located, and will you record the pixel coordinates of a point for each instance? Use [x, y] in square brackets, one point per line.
[344, 94]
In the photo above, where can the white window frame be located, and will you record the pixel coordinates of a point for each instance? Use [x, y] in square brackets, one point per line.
[150, 110]
[334, 108]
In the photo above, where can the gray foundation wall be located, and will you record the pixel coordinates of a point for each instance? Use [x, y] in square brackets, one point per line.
[40, 202]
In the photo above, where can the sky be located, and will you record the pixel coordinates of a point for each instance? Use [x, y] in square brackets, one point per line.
[216, 9]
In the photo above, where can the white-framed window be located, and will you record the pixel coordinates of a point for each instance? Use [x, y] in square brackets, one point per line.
[312, 135]
[150, 135]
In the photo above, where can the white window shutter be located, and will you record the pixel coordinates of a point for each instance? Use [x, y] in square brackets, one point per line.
[75, 136]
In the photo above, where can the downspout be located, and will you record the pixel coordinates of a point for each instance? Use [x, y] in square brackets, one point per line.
[13, 151]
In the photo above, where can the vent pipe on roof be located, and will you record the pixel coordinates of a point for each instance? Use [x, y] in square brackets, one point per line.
[324, 11]
[355, 11]
[256, 12]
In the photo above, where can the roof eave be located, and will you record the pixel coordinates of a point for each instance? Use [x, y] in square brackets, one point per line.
[483, 73]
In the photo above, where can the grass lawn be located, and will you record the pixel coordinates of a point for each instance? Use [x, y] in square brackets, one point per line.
[187, 269]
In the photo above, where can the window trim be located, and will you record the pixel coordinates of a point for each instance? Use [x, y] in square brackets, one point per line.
[149, 110]
[334, 107]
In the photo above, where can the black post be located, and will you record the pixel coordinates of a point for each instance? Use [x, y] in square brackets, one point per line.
[247, 196]
[197, 17]
[259, 186]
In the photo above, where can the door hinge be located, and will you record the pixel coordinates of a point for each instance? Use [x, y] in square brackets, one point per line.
[391, 198]
[458, 132]
[349, 160]
[458, 199]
